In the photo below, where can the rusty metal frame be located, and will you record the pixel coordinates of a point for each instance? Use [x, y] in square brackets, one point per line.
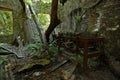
[84, 43]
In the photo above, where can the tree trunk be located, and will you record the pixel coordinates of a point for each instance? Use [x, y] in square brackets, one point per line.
[54, 19]
[39, 28]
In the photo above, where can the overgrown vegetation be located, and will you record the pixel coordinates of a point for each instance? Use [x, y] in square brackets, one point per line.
[54, 41]
[45, 20]
[6, 23]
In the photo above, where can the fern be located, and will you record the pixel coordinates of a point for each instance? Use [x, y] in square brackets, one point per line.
[34, 49]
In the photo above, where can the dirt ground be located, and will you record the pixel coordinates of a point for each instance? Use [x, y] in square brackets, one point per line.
[64, 69]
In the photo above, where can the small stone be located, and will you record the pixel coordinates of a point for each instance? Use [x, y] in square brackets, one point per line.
[38, 73]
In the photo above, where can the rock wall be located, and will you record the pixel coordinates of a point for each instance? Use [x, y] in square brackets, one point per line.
[110, 24]
[94, 16]
[64, 15]
[20, 20]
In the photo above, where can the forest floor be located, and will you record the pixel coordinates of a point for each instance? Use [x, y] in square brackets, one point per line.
[62, 68]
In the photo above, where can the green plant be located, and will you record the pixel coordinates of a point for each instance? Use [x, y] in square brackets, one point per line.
[79, 58]
[6, 23]
[34, 49]
[2, 59]
[28, 2]
[53, 49]
[44, 20]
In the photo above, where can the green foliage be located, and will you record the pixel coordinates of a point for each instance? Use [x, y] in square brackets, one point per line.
[34, 49]
[41, 7]
[6, 23]
[2, 59]
[79, 58]
[53, 49]
[45, 20]
[46, 1]
[50, 51]
[38, 50]
[28, 2]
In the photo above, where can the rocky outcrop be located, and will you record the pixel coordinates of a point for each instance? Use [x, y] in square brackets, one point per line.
[102, 18]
